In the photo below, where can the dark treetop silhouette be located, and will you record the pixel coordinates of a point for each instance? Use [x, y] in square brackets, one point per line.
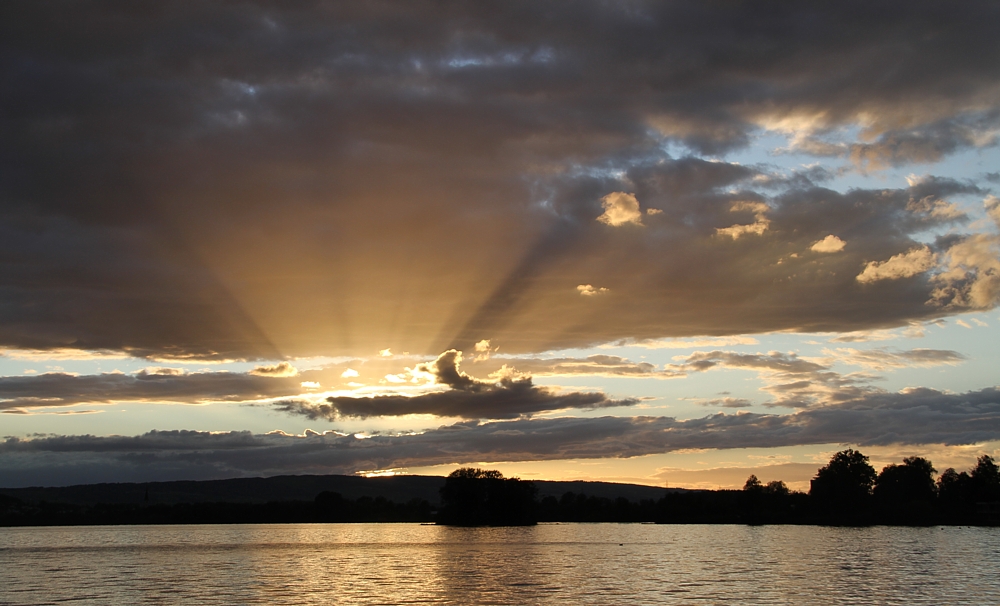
[479, 497]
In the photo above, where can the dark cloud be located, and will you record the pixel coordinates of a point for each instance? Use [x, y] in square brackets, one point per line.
[925, 143]
[928, 143]
[149, 385]
[920, 416]
[262, 180]
[508, 396]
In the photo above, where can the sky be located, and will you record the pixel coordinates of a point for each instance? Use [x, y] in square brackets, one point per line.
[670, 243]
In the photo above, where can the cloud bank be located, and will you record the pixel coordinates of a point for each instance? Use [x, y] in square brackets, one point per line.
[920, 416]
[261, 181]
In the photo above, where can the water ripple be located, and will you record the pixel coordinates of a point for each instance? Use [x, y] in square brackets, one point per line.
[557, 563]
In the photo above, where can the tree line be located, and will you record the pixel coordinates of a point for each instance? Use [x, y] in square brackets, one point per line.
[846, 491]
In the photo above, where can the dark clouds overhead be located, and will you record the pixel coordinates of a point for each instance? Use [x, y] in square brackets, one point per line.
[258, 180]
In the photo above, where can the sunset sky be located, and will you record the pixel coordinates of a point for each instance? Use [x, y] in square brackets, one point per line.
[670, 243]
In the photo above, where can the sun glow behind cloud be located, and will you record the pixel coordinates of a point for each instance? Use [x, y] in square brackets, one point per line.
[564, 225]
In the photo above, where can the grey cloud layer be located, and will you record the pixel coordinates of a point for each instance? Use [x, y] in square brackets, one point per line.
[509, 392]
[922, 416]
[262, 180]
[160, 385]
[507, 395]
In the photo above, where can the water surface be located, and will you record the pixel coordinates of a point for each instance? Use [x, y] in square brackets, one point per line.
[549, 563]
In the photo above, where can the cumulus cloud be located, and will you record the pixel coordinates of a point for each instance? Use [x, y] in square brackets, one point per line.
[829, 244]
[758, 227]
[971, 276]
[917, 416]
[587, 290]
[891, 141]
[927, 143]
[936, 208]
[507, 395]
[620, 208]
[484, 350]
[904, 265]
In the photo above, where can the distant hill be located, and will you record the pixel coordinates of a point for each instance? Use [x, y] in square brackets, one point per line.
[300, 488]
[607, 490]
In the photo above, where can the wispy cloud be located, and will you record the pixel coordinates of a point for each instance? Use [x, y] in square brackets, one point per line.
[797, 382]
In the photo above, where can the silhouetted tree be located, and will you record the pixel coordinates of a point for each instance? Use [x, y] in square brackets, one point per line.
[753, 484]
[912, 481]
[480, 497]
[985, 479]
[844, 486]
[905, 494]
[774, 487]
[764, 503]
[954, 490]
[777, 488]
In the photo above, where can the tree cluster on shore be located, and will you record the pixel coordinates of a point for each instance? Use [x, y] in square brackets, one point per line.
[483, 497]
[846, 491]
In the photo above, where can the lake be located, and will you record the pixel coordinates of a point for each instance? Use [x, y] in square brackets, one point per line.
[549, 563]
